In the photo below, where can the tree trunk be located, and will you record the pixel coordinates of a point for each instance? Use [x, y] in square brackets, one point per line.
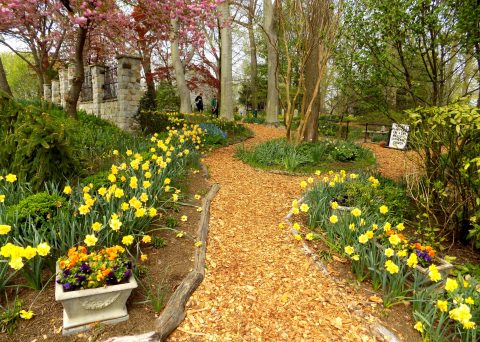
[147, 69]
[253, 55]
[4, 86]
[477, 57]
[226, 81]
[183, 91]
[73, 94]
[272, 60]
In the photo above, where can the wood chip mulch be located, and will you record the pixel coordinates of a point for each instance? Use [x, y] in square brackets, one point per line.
[392, 163]
[259, 286]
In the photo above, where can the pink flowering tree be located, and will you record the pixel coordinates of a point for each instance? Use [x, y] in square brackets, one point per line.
[38, 28]
[88, 17]
[182, 22]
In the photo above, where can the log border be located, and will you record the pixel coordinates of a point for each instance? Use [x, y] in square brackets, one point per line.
[174, 312]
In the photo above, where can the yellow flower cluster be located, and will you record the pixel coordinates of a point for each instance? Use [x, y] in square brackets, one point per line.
[18, 253]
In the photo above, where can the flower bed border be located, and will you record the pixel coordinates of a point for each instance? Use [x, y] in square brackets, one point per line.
[174, 312]
[378, 329]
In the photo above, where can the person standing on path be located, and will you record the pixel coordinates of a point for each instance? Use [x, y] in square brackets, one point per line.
[199, 103]
[214, 104]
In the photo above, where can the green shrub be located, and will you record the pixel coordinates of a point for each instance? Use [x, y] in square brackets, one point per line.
[448, 140]
[39, 207]
[35, 145]
[306, 156]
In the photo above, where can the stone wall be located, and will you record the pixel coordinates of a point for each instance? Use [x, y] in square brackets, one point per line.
[122, 101]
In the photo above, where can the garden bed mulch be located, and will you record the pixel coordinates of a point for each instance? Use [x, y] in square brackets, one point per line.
[166, 267]
[259, 285]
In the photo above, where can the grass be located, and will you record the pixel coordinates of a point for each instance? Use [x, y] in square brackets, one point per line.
[279, 154]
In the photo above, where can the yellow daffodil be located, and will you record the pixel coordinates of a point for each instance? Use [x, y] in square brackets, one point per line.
[412, 260]
[127, 240]
[383, 209]
[140, 212]
[451, 285]
[356, 212]
[363, 239]
[90, 240]
[26, 314]
[96, 226]
[29, 252]
[152, 212]
[16, 263]
[115, 224]
[84, 209]
[309, 236]
[333, 219]
[198, 244]
[419, 327]
[389, 252]
[349, 250]
[304, 207]
[67, 190]
[391, 267]
[11, 178]
[184, 218]
[434, 274]
[43, 249]
[5, 229]
[442, 305]
[143, 257]
[394, 239]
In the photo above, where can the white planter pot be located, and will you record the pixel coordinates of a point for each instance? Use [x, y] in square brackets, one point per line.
[81, 308]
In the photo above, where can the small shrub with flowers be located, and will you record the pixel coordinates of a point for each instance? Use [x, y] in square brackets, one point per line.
[373, 237]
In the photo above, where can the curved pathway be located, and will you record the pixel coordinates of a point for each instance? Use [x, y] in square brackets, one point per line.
[259, 286]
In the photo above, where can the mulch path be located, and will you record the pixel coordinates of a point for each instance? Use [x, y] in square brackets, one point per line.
[392, 163]
[259, 285]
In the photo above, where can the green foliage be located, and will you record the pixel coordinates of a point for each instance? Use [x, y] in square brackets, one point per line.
[9, 315]
[159, 242]
[98, 179]
[259, 119]
[39, 207]
[35, 145]
[22, 80]
[171, 222]
[448, 140]
[167, 98]
[281, 154]
[147, 102]
[40, 143]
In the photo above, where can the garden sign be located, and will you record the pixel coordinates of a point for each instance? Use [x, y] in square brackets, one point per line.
[399, 136]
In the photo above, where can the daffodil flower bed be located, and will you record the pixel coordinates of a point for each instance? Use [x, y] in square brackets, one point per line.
[373, 238]
[118, 211]
[83, 269]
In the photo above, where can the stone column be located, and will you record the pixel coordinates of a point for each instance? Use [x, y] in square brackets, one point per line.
[56, 92]
[47, 92]
[98, 79]
[63, 77]
[129, 90]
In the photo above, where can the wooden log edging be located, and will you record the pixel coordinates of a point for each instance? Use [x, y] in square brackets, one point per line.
[174, 312]
[378, 329]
